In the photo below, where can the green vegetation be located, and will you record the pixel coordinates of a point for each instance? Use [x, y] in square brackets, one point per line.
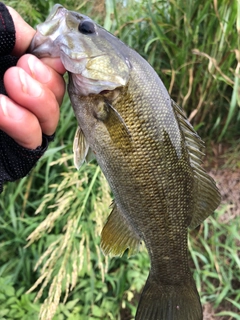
[195, 48]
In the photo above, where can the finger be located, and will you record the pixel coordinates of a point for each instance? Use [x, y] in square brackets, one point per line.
[54, 63]
[44, 74]
[34, 96]
[20, 124]
[24, 33]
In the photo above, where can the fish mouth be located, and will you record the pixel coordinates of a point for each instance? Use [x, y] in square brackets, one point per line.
[78, 55]
[73, 55]
[57, 11]
[75, 61]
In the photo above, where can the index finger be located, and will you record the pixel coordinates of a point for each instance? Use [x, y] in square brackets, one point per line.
[24, 33]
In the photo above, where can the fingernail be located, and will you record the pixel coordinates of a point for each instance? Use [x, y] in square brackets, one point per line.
[9, 109]
[29, 85]
[3, 104]
[38, 69]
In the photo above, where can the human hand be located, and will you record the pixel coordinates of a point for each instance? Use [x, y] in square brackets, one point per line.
[35, 90]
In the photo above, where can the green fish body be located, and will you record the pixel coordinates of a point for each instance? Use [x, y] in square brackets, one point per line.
[146, 148]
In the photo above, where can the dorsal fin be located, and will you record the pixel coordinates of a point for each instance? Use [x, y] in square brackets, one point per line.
[206, 193]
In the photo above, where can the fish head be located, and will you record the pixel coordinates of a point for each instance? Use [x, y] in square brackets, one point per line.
[95, 59]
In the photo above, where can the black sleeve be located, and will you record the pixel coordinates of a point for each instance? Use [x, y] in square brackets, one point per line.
[15, 160]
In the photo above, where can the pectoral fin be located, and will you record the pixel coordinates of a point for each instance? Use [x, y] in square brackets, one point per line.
[81, 149]
[118, 235]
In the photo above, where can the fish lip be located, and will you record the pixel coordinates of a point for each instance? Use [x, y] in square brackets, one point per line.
[78, 55]
[56, 12]
[39, 50]
[74, 62]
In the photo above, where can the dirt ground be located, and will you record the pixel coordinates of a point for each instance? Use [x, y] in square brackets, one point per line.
[223, 164]
[228, 181]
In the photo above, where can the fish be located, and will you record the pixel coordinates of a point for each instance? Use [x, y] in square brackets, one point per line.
[148, 151]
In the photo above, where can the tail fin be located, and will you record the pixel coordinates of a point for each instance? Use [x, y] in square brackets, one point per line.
[169, 302]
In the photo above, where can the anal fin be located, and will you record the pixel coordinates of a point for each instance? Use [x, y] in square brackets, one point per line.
[118, 235]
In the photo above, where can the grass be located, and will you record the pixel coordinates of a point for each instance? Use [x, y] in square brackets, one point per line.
[194, 47]
[216, 257]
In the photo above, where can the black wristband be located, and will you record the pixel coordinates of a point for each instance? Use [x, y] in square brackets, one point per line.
[7, 42]
[17, 164]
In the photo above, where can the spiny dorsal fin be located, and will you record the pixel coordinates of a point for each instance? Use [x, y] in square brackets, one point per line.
[118, 235]
[207, 196]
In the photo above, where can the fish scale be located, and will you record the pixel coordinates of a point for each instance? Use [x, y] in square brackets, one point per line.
[147, 150]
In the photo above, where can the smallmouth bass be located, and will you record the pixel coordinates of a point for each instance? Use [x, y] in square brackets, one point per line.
[146, 148]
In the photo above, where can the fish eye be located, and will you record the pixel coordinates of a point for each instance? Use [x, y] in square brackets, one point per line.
[86, 27]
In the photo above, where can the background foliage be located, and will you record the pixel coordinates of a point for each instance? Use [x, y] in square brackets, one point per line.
[194, 46]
